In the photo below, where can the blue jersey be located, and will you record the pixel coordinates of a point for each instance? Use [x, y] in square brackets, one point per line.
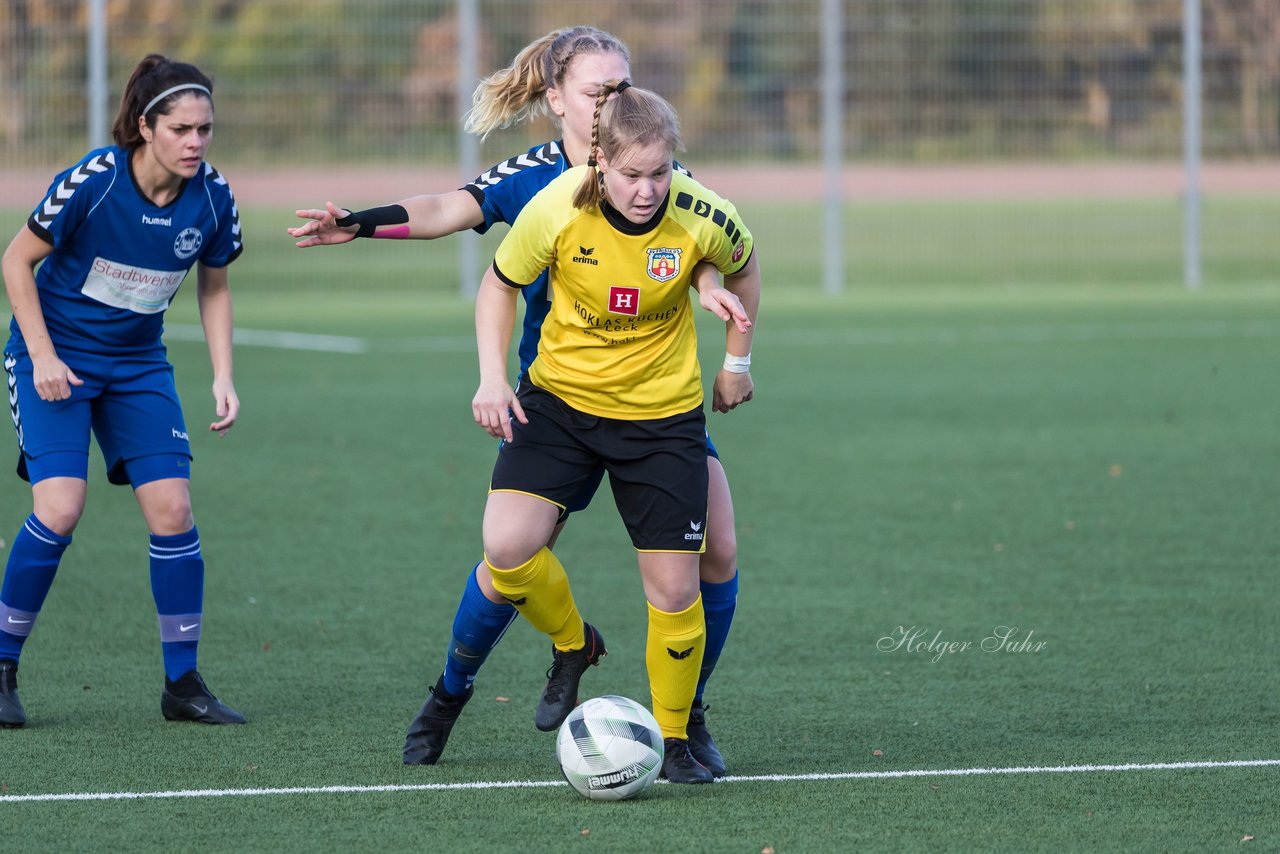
[502, 192]
[118, 259]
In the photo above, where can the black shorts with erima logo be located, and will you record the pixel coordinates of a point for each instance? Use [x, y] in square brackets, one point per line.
[657, 468]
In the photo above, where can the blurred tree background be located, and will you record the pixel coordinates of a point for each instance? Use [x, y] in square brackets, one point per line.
[926, 80]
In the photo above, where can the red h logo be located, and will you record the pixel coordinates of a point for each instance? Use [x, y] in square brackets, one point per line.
[624, 301]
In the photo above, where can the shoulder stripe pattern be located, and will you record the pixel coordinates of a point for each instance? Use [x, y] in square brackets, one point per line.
[62, 193]
[545, 155]
[216, 177]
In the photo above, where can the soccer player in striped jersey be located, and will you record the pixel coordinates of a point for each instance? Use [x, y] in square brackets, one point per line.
[560, 73]
[615, 384]
[113, 239]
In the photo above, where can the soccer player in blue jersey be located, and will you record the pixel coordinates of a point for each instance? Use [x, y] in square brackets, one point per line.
[113, 239]
[560, 73]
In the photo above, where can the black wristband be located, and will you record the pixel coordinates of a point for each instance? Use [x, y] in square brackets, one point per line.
[370, 219]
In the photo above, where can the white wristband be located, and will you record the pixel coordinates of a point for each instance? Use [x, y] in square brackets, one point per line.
[737, 364]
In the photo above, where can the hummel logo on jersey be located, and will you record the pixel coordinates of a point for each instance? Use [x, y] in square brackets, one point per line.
[517, 602]
[679, 655]
[697, 531]
[177, 434]
[156, 220]
[585, 258]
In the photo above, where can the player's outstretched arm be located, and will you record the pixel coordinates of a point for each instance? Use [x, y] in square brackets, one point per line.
[733, 384]
[495, 402]
[423, 217]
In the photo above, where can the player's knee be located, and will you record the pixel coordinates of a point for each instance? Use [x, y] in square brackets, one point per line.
[60, 513]
[720, 561]
[507, 553]
[170, 514]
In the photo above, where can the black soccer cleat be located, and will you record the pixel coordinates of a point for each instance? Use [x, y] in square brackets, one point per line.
[189, 699]
[566, 670]
[430, 729]
[12, 714]
[678, 764]
[701, 744]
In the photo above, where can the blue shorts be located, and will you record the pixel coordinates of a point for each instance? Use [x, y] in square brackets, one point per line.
[129, 404]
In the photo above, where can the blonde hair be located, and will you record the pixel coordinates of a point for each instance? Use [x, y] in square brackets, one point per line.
[517, 93]
[635, 117]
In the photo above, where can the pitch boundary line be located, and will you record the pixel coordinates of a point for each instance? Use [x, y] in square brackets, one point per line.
[544, 784]
[1032, 333]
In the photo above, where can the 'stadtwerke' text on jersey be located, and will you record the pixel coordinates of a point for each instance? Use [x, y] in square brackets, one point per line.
[620, 340]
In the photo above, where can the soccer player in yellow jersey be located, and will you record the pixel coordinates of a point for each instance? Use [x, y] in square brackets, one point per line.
[616, 382]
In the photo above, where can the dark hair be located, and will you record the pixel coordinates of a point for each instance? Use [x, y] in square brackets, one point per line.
[636, 117]
[153, 75]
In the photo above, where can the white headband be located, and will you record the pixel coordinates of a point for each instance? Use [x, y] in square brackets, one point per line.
[167, 92]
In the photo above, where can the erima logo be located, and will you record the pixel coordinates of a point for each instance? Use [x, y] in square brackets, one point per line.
[156, 220]
[697, 531]
[178, 434]
[678, 656]
[585, 258]
[517, 602]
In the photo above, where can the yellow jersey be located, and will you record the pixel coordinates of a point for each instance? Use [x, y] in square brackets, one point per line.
[619, 341]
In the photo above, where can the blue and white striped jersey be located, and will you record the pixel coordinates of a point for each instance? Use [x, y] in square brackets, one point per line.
[118, 259]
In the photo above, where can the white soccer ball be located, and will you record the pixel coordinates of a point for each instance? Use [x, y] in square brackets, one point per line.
[610, 748]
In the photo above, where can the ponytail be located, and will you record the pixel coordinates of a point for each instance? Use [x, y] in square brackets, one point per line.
[517, 93]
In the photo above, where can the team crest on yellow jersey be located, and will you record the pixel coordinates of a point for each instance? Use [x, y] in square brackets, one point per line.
[664, 264]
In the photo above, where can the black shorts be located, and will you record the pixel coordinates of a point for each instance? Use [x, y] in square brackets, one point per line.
[657, 468]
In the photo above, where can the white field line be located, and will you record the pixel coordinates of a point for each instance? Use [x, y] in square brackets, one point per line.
[543, 784]
[1032, 333]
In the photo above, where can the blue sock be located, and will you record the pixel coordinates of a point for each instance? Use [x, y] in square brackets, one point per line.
[33, 561]
[477, 628]
[177, 585]
[718, 604]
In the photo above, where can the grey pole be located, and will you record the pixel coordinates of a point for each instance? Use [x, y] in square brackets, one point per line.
[1191, 143]
[96, 86]
[833, 145]
[468, 145]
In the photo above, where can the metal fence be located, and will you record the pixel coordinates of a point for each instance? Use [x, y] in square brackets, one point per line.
[939, 100]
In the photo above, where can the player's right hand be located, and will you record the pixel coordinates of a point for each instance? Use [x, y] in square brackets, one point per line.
[323, 229]
[52, 378]
[494, 406]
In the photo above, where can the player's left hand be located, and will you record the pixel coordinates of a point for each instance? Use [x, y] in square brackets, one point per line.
[227, 407]
[730, 390]
[726, 306]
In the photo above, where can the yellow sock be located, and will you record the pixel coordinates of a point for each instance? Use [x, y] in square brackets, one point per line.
[673, 655]
[540, 591]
